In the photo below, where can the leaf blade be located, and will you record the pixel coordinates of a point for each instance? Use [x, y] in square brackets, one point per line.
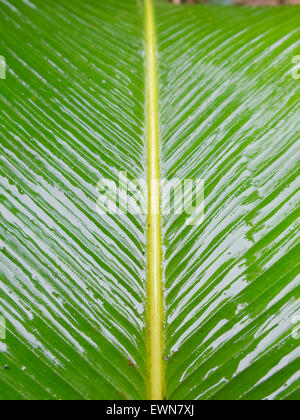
[229, 115]
[73, 287]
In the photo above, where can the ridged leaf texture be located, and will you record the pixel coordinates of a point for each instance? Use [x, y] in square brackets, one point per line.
[73, 283]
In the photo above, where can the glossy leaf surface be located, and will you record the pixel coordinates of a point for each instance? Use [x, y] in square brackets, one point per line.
[73, 282]
[230, 115]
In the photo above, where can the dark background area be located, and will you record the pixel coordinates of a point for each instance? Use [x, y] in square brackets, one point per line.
[241, 2]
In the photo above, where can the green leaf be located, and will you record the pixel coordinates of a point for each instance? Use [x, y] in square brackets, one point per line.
[230, 115]
[73, 282]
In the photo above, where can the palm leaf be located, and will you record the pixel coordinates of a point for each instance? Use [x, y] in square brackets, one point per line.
[72, 281]
[230, 116]
[73, 285]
